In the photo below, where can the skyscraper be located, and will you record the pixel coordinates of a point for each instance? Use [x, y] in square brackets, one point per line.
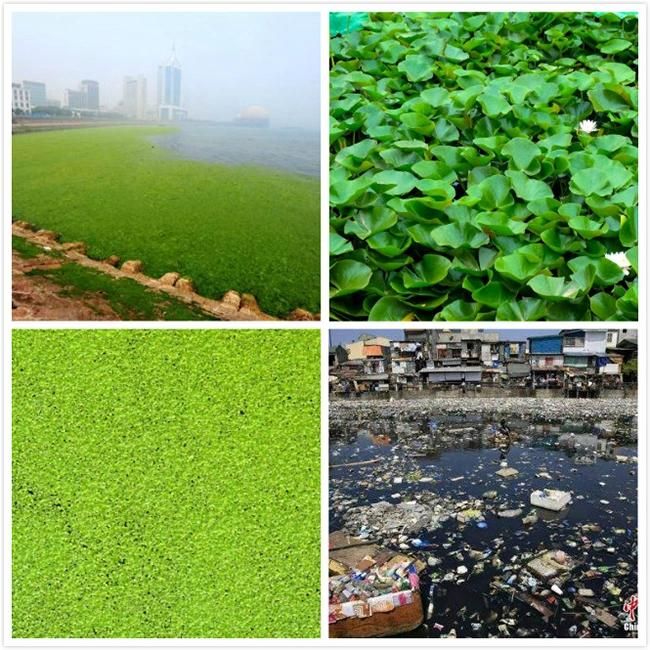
[74, 98]
[169, 90]
[37, 91]
[91, 90]
[135, 97]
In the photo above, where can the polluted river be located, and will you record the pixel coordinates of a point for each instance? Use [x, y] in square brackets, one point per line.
[433, 479]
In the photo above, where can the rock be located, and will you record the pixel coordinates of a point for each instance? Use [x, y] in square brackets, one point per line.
[169, 279]
[300, 314]
[185, 285]
[507, 472]
[75, 246]
[132, 266]
[48, 235]
[113, 260]
[25, 225]
[249, 302]
[231, 298]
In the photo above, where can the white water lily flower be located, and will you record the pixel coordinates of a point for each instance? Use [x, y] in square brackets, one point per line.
[588, 126]
[620, 259]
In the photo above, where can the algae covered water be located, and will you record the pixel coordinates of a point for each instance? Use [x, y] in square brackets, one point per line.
[296, 151]
[477, 531]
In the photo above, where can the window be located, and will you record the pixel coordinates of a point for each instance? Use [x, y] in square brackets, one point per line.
[574, 341]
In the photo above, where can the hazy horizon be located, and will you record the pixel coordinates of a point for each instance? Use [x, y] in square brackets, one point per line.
[229, 60]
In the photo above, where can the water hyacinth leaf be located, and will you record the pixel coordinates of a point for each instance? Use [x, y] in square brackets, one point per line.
[628, 304]
[526, 309]
[417, 67]
[353, 157]
[427, 272]
[628, 234]
[456, 235]
[585, 277]
[445, 131]
[500, 223]
[493, 192]
[523, 153]
[435, 97]
[388, 243]
[339, 245]
[603, 305]
[615, 45]
[492, 294]
[459, 310]
[528, 189]
[347, 192]
[505, 143]
[633, 257]
[441, 193]
[605, 98]
[494, 104]
[587, 228]
[435, 170]
[391, 309]
[417, 122]
[369, 222]
[607, 272]
[553, 288]
[349, 276]
[394, 183]
[517, 266]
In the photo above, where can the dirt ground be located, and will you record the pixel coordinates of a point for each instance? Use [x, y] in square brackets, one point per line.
[37, 298]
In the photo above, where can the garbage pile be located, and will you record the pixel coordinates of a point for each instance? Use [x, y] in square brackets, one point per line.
[535, 410]
[384, 520]
[380, 589]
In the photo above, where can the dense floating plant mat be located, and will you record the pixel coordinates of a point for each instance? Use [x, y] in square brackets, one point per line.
[251, 229]
[166, 483]
[484, 167]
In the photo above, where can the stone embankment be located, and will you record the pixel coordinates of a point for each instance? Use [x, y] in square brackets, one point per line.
[231, 306]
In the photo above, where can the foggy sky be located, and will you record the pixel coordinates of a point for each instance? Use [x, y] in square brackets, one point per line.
[229, 60]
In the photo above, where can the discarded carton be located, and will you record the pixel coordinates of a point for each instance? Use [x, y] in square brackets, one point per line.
[550, 564]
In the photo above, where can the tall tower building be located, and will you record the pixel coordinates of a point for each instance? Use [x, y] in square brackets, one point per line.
[135, 97]
[91, 91]
[169, 90]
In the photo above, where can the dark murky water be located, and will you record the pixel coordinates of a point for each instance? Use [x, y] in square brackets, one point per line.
[291, 150]
[604, 494]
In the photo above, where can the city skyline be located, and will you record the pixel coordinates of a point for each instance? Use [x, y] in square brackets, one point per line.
[229, 61]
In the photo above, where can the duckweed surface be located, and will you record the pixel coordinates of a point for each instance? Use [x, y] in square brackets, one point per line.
[165, 483]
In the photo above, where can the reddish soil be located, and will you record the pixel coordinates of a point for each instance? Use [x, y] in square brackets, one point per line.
[37, 298]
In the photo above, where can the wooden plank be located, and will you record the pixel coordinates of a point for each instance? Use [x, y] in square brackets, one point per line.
[405, 618]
